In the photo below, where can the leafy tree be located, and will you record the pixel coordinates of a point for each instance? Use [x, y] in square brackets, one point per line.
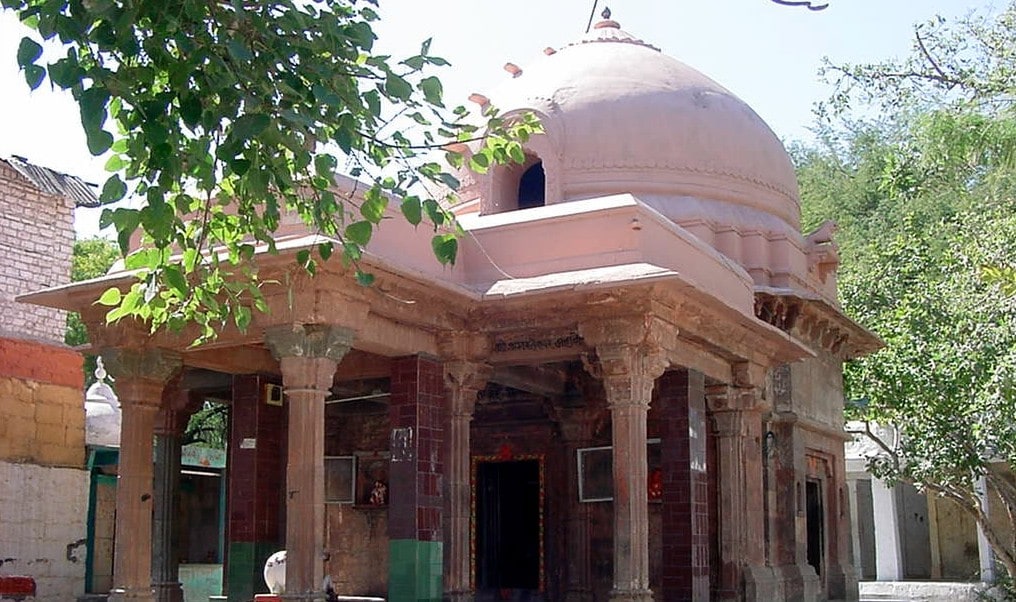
[220, 116]
[92, 257]
[208, 426]
[926, 201]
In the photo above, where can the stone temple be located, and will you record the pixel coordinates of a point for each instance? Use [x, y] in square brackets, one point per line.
[628, 388]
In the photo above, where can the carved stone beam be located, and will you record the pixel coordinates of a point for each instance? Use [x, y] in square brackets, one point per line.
[540, 380]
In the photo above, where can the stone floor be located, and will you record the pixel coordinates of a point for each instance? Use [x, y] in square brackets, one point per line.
[918, 591]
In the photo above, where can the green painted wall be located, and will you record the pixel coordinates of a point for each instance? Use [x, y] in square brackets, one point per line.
[415, 571]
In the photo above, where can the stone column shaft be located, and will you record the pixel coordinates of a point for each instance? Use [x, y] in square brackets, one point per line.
[737, 421]
[631, 503]
[307, 382]
[132, 558]
[632, 353]
[140, 378]
[165, 563]
[463, 381]
[308, 356]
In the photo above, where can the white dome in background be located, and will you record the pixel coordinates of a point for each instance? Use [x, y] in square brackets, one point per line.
[102, 412]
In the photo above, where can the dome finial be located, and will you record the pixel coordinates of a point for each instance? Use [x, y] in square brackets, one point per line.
[100, 369]
[607, 22]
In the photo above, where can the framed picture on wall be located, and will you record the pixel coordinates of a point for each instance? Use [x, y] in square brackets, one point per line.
[340, 479]
[596, 472]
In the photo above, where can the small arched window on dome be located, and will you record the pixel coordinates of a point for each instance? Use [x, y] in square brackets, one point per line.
[532, 191]
[518, 186]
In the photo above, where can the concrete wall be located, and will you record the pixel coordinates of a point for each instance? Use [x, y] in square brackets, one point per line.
[42, 527]
[36, 238]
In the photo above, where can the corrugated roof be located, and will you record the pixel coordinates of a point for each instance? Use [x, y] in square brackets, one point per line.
[54, 182]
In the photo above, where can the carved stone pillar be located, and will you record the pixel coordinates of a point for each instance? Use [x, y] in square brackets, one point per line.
[463, 381]
[631, 354]
[165, 561]
[737, 421]
[141, 375]
[308, 355]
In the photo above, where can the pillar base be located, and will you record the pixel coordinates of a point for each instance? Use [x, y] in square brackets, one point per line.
[799, 582]
[168, 591]
[762, 584]
[121, 594]
[308, 597]
[577, 595]
[639, 595]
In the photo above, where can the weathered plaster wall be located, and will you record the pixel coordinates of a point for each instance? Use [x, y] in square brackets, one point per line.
[36, 237]
[817, 386]
[357, 537]
[42, 527]
[957, 540]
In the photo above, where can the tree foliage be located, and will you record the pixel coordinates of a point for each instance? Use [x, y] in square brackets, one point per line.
[222, 116]
[926, 201]
[92, 257]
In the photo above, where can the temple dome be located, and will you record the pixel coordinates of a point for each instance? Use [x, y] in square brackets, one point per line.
[621, 116]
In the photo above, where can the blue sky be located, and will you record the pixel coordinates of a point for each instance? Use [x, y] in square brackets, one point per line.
[767, 54]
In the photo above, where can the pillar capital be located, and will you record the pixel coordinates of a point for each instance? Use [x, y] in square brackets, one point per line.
[631, 353]
[578, 424]
[141, 374]
[309, 341]
[464, 379]
[727, 398]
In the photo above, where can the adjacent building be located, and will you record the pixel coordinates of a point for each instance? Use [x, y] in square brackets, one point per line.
[43, 484]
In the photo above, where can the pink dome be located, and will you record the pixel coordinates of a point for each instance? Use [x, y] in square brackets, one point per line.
[621, 116]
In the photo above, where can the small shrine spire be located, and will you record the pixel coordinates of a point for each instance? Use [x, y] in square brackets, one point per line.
[607, 22]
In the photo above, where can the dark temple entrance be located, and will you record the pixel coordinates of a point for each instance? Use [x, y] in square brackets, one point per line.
[508, 526]
[815, 524]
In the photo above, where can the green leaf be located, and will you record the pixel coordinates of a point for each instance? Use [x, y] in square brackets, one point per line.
[432, 90]
[238, 51]
[110, 297]
[325, 250]
[242, 317]
[397, 87]
[28, 52]
[364, 278]
[98, 141]
[412, 209]
[359, 232]
[92, 104]
[176, 280]
[445, 246]
[374, 205]
[449, 180]
[34, 75]
[250, 125]
[113, 190]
